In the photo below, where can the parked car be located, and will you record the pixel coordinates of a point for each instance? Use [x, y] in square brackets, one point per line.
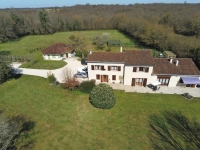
[81, 75]
[83, 69]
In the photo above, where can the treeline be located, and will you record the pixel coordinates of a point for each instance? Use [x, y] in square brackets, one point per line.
[174, 27]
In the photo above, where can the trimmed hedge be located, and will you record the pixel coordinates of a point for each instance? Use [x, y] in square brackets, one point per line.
[102, 96]
[87, 86]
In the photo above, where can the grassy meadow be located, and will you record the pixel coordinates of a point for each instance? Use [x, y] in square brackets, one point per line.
[66, 120]
[24, 45]
[35, 43]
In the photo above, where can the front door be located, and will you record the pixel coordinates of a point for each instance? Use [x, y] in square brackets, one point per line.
[66, 55]
[104, 78]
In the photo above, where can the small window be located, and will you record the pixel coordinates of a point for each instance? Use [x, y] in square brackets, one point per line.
[114, 68]
[98, 67]
[147, 69]
[98, 77]
[134, 69]
[119, 68]
[109, 68]
[61, 55]
[53, 56]
[141, 68]
[102, 68]
[113, 77]
[92, 67]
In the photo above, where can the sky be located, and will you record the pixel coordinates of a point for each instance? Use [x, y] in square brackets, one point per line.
[60, 3]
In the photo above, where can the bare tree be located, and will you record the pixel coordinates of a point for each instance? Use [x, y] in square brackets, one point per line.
[69, 81]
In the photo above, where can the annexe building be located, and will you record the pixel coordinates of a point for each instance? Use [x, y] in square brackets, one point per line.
[58, 51]
[139, 68]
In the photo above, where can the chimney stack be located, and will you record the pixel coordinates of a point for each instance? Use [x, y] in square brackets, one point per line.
[177, 62]
[171, 60]
[90, 52]
[120, 48]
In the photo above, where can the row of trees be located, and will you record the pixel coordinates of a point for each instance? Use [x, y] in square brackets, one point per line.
[172, 27]
[182, 18]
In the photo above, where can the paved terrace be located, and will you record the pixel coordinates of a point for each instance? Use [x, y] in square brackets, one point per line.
[195, 92]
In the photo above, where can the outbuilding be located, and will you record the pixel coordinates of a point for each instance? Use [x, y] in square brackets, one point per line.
[58, 51]
[169, 54]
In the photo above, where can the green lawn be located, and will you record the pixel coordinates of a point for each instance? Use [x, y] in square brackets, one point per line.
[66, 120]
[24, 45]
[35, 43]
[44, 64]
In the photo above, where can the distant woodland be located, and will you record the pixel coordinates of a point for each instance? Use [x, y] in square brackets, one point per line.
[174, 27]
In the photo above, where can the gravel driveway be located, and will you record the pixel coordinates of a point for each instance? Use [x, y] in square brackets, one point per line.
[71, 67]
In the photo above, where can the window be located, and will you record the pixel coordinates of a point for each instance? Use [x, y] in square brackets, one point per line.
[92, 67]
[97, 67]
[138, 81]
[113, 77]
[53, 56]
[147, 69]
[115, 68]
[164, 80]
[141, 68]
[119, 68]
[61, 55]
[98, 77]
[134, 69]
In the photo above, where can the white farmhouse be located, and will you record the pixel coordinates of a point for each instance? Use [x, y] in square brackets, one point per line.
[139, 68]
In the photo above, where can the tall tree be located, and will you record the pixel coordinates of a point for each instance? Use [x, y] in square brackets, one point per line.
[45, 22]
[79, 41]
[6, 30]
[18, 24]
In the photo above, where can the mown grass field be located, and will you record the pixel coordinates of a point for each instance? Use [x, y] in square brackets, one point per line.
[24, 45]
[66, 120]
[35, 43]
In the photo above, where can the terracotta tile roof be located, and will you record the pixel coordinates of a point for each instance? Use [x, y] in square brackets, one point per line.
[57, 48]
[138, 57]
[129, 57]
[106, 57]
[185, 66]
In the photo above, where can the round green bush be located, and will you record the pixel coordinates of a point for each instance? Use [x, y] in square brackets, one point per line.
[102, 96]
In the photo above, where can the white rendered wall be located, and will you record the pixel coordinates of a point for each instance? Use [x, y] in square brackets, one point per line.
[129, 74]
[92, 73]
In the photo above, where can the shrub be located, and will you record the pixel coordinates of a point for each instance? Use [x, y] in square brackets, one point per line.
[71, 83]
[102, 96]
[87, 86]
[50, 77]
[5, 70]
